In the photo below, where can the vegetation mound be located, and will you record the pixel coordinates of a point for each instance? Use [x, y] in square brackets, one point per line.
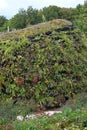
[47, 62]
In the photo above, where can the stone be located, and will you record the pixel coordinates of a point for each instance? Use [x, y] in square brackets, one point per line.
[20, 118]
[50, 113]
[32, 116]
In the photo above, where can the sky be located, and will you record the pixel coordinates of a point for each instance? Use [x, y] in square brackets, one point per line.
[9, 8]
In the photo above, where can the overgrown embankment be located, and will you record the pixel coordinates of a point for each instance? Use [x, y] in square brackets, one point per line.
[47, 63]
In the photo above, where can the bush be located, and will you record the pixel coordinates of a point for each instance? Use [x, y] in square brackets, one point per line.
[48, 67]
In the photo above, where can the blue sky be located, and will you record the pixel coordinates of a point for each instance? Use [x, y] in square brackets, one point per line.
[8, 8]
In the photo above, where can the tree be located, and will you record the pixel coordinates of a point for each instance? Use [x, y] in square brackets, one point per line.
[2, 20]
[51, 12]
[33, 16]
[19, 20]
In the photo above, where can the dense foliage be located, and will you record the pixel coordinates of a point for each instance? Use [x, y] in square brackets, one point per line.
[48, 67]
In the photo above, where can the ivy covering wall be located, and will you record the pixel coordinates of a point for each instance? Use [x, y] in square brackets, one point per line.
[48, 66]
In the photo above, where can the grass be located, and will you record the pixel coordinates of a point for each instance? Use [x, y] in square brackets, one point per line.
[78, 102]
[9, 111]
[71, 120]
[74, 116]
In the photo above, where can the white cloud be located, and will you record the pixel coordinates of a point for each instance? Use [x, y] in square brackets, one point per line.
[3, 4]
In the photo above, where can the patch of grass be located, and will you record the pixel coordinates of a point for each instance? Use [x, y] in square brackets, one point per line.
[79, 101]
[71, 120]
[9, 111]
[74, 116]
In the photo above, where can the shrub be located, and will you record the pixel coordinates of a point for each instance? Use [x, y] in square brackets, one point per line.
[47, 67]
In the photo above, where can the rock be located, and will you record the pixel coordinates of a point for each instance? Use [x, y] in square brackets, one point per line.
[50, 113]
[38, 115]
[65, 129]
[20, 118]
[32, 116]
